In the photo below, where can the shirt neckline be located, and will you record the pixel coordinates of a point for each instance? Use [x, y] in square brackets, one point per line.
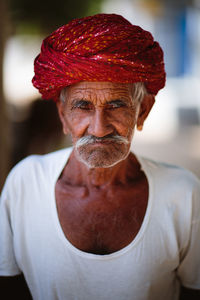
[64, 156]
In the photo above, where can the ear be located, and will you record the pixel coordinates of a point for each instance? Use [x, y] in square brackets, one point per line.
[61, 110]
[145, 108]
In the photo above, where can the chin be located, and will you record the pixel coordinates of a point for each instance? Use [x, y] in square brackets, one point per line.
[100, 157]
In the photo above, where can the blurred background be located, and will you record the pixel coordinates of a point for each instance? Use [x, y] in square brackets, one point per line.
[29, 125]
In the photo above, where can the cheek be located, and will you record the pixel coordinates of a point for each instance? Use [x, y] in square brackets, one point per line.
[124, 122]
[76, 123]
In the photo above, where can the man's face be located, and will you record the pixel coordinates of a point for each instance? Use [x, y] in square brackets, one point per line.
[100, 116]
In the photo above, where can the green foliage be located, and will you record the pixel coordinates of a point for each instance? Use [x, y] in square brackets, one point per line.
[44, 16]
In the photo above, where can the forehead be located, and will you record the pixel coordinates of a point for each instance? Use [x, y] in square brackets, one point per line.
[99, 90]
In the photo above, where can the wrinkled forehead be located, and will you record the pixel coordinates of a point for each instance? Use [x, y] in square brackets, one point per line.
[92, 90]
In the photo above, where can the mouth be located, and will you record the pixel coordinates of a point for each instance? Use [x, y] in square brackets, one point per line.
[100, 144]
[103, 142]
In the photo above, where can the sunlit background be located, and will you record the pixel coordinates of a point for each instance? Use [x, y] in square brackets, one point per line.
[28, 125]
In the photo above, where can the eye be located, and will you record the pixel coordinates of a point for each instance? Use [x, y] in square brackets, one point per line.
[116, 104]
[82, 104]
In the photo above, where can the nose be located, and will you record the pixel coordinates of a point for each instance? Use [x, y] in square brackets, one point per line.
[99, 124]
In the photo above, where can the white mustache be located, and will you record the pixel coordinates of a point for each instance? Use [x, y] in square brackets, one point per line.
[90, 139]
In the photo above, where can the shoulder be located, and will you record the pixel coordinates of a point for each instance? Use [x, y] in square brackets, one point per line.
[35, 168]
[174, 187]
[169, 174]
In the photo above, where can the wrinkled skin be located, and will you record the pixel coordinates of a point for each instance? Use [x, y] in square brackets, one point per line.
[109, 110]
[100, 208]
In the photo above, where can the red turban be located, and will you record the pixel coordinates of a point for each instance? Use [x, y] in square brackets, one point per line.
[103, 47]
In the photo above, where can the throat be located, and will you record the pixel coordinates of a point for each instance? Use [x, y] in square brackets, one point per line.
[80, 174]
[105, 176]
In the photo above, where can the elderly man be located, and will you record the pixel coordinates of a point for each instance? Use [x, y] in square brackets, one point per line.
[95, 221]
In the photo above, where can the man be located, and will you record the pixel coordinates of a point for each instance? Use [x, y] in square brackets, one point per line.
[95, 221]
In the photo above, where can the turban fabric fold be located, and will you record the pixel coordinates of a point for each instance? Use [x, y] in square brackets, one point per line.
[103, 47]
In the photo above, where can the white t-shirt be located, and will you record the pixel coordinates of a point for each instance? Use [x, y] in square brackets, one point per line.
[165, 252]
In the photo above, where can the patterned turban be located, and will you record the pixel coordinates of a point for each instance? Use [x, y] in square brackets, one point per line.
[103, 47]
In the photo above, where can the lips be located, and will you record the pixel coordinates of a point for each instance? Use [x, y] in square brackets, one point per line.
[104, 141]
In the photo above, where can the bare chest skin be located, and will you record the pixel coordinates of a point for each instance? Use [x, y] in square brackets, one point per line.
[101, 220]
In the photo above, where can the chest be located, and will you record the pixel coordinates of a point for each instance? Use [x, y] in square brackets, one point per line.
[101, 221]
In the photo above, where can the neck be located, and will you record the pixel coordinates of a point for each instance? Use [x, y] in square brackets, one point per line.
[105, 176]
[78, 173]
